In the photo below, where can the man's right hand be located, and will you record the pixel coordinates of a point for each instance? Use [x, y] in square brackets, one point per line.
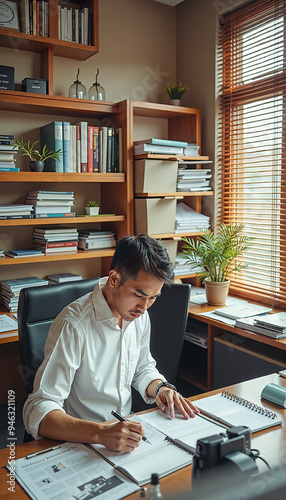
[122, 436]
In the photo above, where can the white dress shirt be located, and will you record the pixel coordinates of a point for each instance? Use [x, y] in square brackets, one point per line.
[90, 364]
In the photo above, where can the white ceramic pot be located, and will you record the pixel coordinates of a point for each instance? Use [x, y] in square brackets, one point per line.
[92, 210]
[175, 102]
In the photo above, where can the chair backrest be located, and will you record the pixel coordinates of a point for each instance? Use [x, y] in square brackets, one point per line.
[168, 316]
[37, 309]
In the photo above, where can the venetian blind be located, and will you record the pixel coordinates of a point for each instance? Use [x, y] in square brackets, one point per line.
[250, 178]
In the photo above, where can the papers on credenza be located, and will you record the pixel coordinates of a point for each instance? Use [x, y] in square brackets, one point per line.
[197, 334]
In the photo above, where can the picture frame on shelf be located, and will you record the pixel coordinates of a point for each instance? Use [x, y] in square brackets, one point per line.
[9, 17]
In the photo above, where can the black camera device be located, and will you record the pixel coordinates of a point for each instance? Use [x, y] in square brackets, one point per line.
[230, 450]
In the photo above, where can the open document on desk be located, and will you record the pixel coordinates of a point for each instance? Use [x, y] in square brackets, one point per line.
[72, 471]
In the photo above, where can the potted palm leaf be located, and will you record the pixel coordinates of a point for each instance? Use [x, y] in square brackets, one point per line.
[217, 256]
[36, 156]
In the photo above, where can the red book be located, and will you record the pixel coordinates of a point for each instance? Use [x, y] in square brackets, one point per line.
[56, 244]
[90, 149]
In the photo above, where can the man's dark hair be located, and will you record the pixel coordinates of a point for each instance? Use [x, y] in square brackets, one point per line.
[142, 253]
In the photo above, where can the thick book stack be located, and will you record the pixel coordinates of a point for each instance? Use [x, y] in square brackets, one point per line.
[84, 148]
[75, 25]
[55, 240]
[90, 239]
[159, 146]
[63, 278]
[34, 17]
[271, 325]
[192, 179]
[11, 290]
[51, 203]
[188, 220]
[16, 211]
[7, 154]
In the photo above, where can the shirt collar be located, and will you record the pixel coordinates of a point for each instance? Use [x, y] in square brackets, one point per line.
[101, 307]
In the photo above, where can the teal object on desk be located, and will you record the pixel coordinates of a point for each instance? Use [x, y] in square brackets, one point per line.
[275, 393]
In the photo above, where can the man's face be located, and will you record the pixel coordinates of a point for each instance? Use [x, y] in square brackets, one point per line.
[135, 296]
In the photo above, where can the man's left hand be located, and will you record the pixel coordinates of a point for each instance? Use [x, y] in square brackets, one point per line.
[169, 399]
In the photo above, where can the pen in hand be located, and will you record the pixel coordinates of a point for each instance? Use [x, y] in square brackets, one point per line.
[122, 419]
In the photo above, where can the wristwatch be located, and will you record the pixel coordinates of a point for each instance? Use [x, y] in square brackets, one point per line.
[164, 384]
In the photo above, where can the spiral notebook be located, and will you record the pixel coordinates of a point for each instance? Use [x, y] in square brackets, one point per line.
[173, 442]
[233, 410]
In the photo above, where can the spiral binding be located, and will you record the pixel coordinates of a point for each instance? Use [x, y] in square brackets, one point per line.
[248, 404]
[175, 443]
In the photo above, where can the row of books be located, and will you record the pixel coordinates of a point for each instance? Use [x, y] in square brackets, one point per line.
[164, 146]
[75, 25]
[193, 179]
[84, 148]
[7, 154]
[34, 17]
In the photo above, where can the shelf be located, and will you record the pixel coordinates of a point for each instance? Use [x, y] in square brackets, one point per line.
[62, 220]
[60, 177]
[155, 110]
[26, 102]
[178, 194]
[175, 236]
[81, 254]
[34, 43]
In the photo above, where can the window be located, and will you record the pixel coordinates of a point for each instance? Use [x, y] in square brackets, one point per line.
[251, 172]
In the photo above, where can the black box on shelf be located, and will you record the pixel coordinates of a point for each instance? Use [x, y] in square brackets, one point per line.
[7, 77]
[34, 85]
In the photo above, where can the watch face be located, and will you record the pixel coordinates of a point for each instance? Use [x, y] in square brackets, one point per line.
[6, 13]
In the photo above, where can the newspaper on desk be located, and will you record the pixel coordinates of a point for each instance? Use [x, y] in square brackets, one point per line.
[73, 472]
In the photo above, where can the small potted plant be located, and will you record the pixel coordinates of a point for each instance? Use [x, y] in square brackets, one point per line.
[37, 157]
[217, 257]
[92, 208]
[175, 91]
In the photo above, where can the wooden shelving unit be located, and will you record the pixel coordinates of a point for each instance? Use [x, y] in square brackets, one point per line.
[184, 124]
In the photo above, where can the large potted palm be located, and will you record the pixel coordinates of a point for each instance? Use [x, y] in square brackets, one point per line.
[217, 256]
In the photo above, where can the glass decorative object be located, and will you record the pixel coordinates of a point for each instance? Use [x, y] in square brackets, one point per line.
[96, 91]
[77, 89]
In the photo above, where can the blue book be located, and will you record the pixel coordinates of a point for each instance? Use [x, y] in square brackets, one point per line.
[9, 169]
[162, 142]
[52, 137]
[18, 283]
[25, 252]
[66, 147]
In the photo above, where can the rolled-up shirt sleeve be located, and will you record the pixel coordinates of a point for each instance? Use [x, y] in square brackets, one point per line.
[55, 376]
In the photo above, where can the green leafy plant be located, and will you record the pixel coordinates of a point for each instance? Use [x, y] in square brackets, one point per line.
[29, 149]
[92, 203]
[217, 255]
[176, 90]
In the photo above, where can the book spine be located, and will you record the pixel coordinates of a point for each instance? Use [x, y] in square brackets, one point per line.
[95, 149]
[76, 27]
[56, 244]
[34, 17]
[38, 17]
[9, 169]
[52, 137]
[83, 146]
[46, 215]
[109, 150]
[46, 18]
[7, 217]
[69, 25]
[90, 149]
[31, 17]
[66, 147]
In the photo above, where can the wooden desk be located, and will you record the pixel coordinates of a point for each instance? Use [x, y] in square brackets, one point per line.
[271, 442]
[197, 363]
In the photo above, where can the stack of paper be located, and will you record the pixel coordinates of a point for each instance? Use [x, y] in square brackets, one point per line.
[63, 278]
[182, 267]
[188, 220]
[16, 211]
[198, 336]
[91, 239]
[192, 179]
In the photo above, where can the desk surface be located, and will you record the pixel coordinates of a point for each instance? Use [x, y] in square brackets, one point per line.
[271, 442]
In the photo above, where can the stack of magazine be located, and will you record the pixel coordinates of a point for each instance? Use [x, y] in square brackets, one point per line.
[271, 325]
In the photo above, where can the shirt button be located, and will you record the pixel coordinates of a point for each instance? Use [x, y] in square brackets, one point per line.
[121, 389]
[122, 363]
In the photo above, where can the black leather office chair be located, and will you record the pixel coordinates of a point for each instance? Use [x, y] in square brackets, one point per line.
[37, 309]
[168, 316]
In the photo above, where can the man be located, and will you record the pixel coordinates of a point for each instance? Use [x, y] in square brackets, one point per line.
[97, 348]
